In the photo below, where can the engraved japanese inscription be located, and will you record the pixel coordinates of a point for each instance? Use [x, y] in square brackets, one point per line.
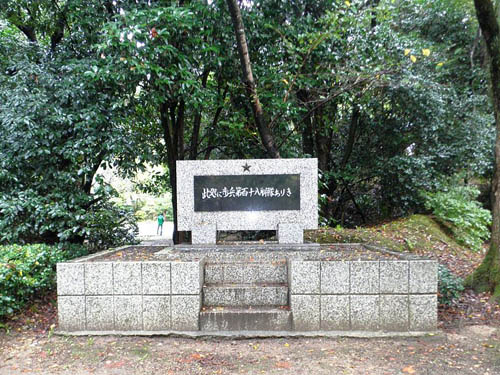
[270, 192]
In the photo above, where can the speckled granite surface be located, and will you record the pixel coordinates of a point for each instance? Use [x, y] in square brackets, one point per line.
[306, 217]
[297, 288]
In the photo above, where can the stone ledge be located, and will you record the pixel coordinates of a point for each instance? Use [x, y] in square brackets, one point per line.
[245, 295]
[246, 247]
[252, 334]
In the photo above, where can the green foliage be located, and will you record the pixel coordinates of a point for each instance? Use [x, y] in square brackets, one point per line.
[28, 271]
[383, 93]
[111, 226]
[457, 208]
[367, 91]
[148, 210]
[58, 128]
[450, 287]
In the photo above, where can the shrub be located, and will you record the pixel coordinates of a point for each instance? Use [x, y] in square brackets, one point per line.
[30, 270]
[450, 287]
[28, 217]
[458, 209]
[111, 226]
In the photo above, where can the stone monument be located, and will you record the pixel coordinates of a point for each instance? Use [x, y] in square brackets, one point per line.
[280, 289]
[258, 194]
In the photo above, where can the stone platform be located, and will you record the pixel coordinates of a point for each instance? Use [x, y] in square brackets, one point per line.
[232, 289]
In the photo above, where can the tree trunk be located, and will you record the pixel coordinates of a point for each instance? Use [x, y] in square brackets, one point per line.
[323, 140]
[487, 275]
[258, 114]
[307, 130]
[193, 150]
[374, 4]
[351, 138]
[169, 136]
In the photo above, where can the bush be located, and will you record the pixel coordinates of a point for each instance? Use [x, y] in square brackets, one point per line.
[30, 218]
[30, 270]
[458, 209]
[450, 287]
[111, 226]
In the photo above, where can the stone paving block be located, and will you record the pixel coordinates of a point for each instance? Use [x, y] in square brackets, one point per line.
[98, 278]
[234, 319]
[71, 313]
[245, 295]
[273, 272]
[240, 273]
[204, 234]
[156, 313]
[365, 277]
[187, 277]
[394, 277]
[306, 312]
[127, 278]
[290, 233]
[70, 279]
[305, 277]
[185, 313]
[394, 313]
[219, 296]
[156, 278]
[423, 276]
[364, 313]
[423, 312]
[335, 313]
[128, 313]
[334, 277]
[99, 313]
[214, 273]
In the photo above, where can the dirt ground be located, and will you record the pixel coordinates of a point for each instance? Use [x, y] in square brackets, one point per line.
[469, 350]
[468, 342]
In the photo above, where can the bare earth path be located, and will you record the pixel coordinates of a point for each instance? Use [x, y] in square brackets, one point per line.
[470, 350]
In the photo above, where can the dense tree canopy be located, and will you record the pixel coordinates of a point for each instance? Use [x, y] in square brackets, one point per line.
[58, 126]
[390, 96]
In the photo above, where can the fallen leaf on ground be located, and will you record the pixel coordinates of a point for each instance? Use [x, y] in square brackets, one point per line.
[409, 370]
[283, 364]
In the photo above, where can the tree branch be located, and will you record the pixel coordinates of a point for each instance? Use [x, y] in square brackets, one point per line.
[258, 113]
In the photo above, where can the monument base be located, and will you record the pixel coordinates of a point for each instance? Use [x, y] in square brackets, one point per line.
[239, 288]
[243, 246]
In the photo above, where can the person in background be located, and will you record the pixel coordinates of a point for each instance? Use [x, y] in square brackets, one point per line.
[161, 219]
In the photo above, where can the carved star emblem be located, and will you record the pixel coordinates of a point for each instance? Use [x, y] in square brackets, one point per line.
[246, 168]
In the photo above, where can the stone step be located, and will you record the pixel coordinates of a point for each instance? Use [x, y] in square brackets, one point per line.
[245, 295]
[246, 272]
[245, 319]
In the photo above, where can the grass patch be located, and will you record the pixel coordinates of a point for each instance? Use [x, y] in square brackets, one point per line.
[416, 233]
[141, 351]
